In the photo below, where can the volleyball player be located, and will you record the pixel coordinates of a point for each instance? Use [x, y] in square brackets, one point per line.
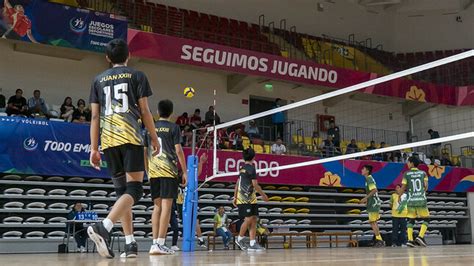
[119, 100]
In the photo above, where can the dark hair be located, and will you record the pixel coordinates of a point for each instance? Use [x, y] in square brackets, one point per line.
[81, 101]
[35, 91]
[185, 114]
[382, 143]
[372, 142]
[165, 108]
[277, 100]
[369, 168]
[65, 99]
[17, 90]
[248, 154]
[197, 110]
[414, 160]
[430, 130]
[117, 51]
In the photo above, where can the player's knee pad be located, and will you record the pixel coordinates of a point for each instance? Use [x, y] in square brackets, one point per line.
[120, 184]
[135, 190]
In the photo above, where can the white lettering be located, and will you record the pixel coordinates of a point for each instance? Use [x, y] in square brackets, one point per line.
[332, 76]
[197, 54]
[186, 53]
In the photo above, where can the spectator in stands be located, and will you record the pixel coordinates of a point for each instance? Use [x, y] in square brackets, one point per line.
[328, 147]
[404, 158]
[278, 120]
[67, 109]
[385, 156]
[334, 132]
[17, 104]
[187, 136]
[445, 160]
[81, 114]
[209, 118]
[221, 226]
[278, 147]
[252, 130]
[235, 138]
[80, 232]
[2, 101]
[372, 146]
[37, 105]
[352, 147]
[182, 120]
[435, 148]
[399, 217]
[196, 120]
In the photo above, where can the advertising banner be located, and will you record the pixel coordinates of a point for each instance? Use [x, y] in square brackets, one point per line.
[29, 146]
[40, 21]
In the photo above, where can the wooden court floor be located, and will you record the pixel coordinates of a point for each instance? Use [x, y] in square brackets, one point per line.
[438, 255]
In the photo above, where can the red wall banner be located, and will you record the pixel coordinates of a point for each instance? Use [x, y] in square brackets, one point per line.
[214, 56]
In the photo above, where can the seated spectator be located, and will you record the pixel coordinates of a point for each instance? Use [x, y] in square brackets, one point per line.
[2, 101]
[352, 147]
[253, 131]
[445, 161]
[235, 139]
[329, 148]
[80, 231]
[221, 227]
[196, 120]
[182, 120]
[17, 105]
[372, 146]
[81, 114]
[209, 118]
[67, 109]
[278, 147]
[37, 105]
[385, 156]
[187, 136]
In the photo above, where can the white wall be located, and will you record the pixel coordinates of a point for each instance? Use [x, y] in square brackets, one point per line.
[447, 121]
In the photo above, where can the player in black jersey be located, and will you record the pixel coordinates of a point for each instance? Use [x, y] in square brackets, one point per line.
[119, 100]
[162, 171]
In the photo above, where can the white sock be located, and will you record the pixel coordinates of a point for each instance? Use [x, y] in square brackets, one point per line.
[129, 239]
[160, 241]
[108, 224]
[155, 241]
[240, 238]
[252, 242]
[201, 239]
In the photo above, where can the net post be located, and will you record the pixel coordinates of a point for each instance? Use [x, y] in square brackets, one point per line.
[190, 200]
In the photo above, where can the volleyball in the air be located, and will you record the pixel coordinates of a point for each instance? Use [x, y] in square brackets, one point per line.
[189, 92]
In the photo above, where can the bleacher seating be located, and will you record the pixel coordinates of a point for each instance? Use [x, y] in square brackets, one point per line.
[297, 211]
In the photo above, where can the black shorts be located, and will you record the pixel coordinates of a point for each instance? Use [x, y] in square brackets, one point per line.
[247, 210]
[125, 158]
[164, 188]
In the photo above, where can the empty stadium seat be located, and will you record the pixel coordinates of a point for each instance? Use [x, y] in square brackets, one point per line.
[12, 220]
[139, 207]
[35, 220]
[76, 180]
[57, 206]
[78, 193]
[36, 191]
[13, 191]
[56, 235]
[57, 192]
[100, 207]
[95, 181]
[98, 193]
[34, 178]
[13, 205]
[55, 179]
[57, 220]
[36, 205]
[12, 235]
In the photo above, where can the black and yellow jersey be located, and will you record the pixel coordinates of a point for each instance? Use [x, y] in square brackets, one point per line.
[165, 164]
[245, 191]
[118, 90]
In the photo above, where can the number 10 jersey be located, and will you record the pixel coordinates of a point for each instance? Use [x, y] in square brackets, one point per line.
[416, 190]
[117, 91]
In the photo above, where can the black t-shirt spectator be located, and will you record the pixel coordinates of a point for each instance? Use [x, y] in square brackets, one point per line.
[2, 101]
[18, 102]
[78, 113]
[335, 133]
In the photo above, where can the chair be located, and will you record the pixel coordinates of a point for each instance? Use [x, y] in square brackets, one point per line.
[269, 187]
[36, 205]
[57, 220]
[98, 193]
[222, 197]
[14, 205]
[55, 179]
[12, 235]
[12, 220]
[139, 220]
[262, 210]
[78, 193]
[56, 235]
[76, 180]
[206, 197]
[95, 181]
[303, 210]
[35, 220]
[100, 207]
[11, 177]
[275, 210]
[208, 209]
[35, 235]
[57, 192]
[34, 178]
[36, 191]
[289, 210]
[139, 207]
[302, 199]
[139, 234]
[218, 185]
[304, 221]
[277, 221]
[288, 199]
[57, 206]
[13, 191]
[274, 198]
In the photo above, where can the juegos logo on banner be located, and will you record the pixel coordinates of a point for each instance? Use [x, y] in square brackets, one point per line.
[30, 144]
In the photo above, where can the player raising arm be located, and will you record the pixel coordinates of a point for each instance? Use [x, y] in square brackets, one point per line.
[119, 100]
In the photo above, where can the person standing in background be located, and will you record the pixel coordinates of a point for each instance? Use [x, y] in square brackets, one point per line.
[399, 217]
[278, 120]
[335, 133]
[435, 148]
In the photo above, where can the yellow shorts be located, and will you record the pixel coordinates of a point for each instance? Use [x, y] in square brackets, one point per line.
[418, 212]
[374, 216]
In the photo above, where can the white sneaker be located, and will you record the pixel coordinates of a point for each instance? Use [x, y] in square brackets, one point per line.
[404, 246]
[156, 249]
[83, 250]
[175, 248]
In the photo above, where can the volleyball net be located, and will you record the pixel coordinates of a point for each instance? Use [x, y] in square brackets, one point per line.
[424, 110]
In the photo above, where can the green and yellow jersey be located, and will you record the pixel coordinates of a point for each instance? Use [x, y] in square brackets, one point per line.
[373, 202]
[117, 91]
[399, 205]
[414, 179]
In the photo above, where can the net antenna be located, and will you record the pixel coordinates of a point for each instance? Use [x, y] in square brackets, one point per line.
[339, 92]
